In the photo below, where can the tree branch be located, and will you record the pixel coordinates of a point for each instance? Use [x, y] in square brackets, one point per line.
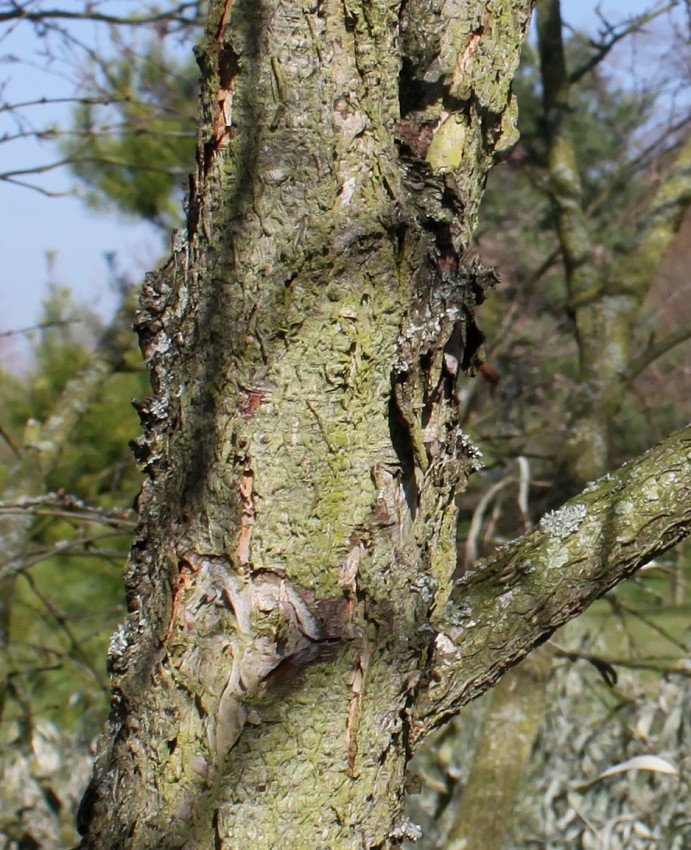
[82, 101]
[506, 607]
[628, 169]
[656, 350]
[70, 507]
[565, 180]
[656, 230]
[176, 13]
[53, 323]
[615, 35]
[94, 160]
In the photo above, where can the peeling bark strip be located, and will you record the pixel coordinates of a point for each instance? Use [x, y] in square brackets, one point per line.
[281, 656]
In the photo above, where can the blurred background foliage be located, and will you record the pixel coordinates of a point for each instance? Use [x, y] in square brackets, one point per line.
[132, 151]
[617, 681]
[68, 594]
[68, 598]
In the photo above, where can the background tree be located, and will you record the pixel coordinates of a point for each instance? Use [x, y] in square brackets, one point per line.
[68, 477]
[132, 127]
[132, 153]
[612, 232]
[68, 481]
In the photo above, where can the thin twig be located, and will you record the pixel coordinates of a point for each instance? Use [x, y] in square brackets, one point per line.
[41, 326]
[174, 14]
[22, 562]
[602, 48]
[79, 653]
[6, 437]
[656, 350]
[651, 624]
[68, 506]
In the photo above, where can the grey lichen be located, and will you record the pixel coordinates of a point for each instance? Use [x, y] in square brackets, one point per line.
[565, 521]
[472, 451]
[405, 829]
[117, 648]
[444, 645]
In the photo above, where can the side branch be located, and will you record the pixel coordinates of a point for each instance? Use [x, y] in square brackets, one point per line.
[656, 230]
[176, 13]
[656, 350]
[612, 34]
[514, 602]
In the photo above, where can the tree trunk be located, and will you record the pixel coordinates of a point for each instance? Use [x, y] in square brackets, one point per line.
[281, 657]
[509, 729]
[605, 302]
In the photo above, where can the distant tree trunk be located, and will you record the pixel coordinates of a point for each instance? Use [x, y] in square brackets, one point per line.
[605, 302]
[510, 727]
[294, 630]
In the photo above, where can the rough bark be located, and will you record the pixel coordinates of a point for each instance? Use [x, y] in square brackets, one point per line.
[573, 556]
[280, 658]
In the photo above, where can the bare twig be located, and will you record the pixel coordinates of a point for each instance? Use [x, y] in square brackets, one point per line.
[656, 350]
[78, 652]
[176, 14]
[22, 562]
[613, 34]
[6, 437]
[69, 507]
[41, 326]
[131, 166]
[617, 604]
[471, 543]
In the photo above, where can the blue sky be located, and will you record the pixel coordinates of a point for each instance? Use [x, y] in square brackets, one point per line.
[80, 237]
